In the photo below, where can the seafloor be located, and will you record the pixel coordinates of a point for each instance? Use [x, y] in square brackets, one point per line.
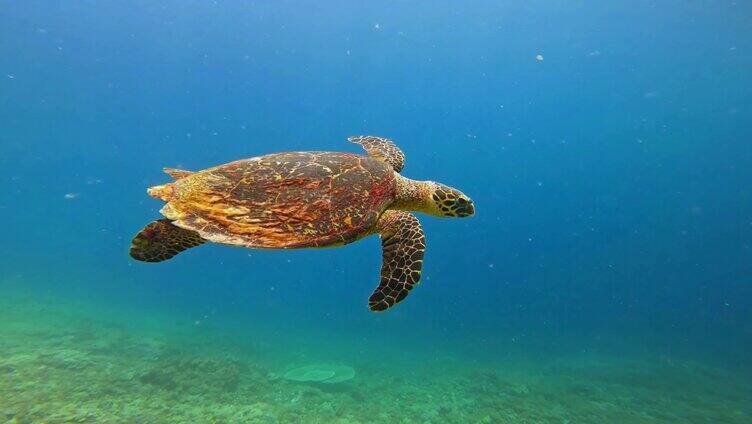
[68, 361]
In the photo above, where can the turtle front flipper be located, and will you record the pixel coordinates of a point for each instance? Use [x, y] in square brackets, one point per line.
[161, 240]
[403, 244]
[382, 149]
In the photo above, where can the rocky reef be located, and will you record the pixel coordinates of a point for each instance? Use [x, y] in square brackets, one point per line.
[65, 363]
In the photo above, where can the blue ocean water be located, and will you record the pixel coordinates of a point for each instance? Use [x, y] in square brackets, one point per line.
[606, 146]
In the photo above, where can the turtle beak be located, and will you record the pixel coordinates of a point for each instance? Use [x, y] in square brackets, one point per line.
[465, 207]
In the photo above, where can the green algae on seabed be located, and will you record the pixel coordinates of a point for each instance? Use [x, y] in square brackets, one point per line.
[75, 363]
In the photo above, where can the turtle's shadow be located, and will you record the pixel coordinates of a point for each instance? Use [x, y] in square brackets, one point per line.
[340, 388]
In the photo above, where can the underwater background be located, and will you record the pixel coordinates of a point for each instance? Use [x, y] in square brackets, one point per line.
[605, 278]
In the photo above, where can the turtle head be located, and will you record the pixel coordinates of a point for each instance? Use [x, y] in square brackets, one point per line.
[449, 202]
[432, 198]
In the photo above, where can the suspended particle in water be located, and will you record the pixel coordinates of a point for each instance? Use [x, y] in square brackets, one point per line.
[539, 58]
[70, 196]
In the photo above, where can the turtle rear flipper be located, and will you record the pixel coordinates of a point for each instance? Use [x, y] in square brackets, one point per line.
[161, 240]
[403, 244]
[176, 173]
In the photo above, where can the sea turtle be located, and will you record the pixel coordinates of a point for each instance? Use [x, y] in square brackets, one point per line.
[305, 199]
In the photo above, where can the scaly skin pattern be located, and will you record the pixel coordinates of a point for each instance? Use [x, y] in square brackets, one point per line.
[160, 240]
[283, 200]
[382, 149]
[403, 244]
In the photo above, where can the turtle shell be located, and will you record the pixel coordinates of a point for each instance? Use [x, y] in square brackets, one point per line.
[284, 200]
